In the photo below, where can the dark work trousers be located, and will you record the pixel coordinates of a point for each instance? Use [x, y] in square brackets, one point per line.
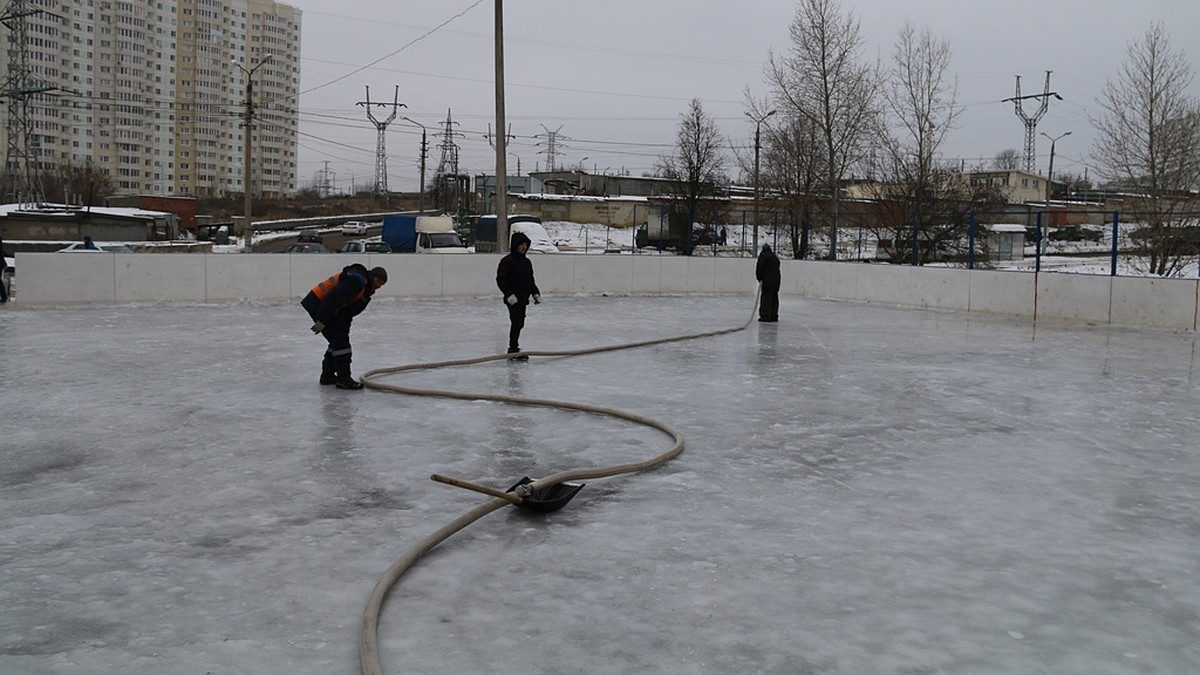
[338, 335]
[516, 315]
[768, 308]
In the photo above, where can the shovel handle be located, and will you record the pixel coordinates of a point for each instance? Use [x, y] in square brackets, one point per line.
[476, 487]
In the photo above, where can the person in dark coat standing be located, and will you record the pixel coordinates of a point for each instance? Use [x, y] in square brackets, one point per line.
[514, 276]
[3, 273]
[333, 304]
[767, 273]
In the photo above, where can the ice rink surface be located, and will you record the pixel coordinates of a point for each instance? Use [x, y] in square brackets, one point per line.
[863, 490]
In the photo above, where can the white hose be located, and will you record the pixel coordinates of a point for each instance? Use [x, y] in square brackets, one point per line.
[368, 645]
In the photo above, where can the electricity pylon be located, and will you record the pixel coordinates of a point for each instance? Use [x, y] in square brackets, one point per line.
[1032, 120]
[381, 186]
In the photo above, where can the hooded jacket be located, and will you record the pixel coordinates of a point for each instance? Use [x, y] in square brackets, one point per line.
[767, 269]
[340, 297]
[514, 275]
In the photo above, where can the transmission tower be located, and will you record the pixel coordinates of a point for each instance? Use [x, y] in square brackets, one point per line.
[20, 88]
[381, 186]
[552, 148]
[449, 185]
[448, 164]
[1032, 120]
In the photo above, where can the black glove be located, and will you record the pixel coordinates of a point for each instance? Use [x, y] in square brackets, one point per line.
[318, 327]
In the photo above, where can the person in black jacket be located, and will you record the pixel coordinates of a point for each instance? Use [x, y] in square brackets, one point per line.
[3, 273]
[767, 273]
[333, 304]
[514, 276]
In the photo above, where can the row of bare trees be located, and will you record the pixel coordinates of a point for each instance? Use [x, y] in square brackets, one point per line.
[70, 184]
[842, 116]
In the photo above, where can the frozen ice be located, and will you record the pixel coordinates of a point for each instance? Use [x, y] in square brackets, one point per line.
[863, 490]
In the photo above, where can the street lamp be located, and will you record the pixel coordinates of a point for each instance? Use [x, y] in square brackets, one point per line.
[757, 146]
[421, 195]
[247, 125]
[1050, 175]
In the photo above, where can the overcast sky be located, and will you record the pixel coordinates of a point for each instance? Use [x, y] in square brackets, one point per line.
[612, 77]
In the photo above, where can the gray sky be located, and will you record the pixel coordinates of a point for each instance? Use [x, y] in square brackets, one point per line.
[612, 77]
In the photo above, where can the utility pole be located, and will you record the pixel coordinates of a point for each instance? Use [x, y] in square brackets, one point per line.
[381, 186]
[424, 154]
[19, 89]
[757, 147]
[1032, 120]
[501, 142]
[248, 126]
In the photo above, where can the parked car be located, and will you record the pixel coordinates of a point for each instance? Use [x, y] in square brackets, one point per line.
[362, 246]
[100, 247]
[900, 251]
[305, 247]
[1074, 233]
[354, 227]
[1181, 240]
[312, 236]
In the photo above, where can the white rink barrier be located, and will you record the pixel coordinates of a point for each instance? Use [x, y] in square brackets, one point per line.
[58, 279]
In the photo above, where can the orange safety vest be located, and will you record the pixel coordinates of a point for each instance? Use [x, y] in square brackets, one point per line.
[322, 289]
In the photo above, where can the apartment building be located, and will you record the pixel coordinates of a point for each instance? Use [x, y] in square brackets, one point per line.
[153, 92]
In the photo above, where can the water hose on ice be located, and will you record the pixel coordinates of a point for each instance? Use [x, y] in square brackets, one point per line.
[369, 625]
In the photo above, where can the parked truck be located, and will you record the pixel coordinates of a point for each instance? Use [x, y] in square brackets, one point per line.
[531, 226]
[408, 233]
[670, 230]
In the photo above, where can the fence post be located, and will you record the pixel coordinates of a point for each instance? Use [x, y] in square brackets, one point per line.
[742, 240]
[1112, 271]
[971, 240]
[1037, 259]
[913, 252]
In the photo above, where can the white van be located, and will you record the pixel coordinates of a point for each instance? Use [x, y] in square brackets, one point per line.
[541, 242]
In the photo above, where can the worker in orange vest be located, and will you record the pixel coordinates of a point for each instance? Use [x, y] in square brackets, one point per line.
[333, 304]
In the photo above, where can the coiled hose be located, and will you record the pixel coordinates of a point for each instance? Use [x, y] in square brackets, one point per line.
[368, 645]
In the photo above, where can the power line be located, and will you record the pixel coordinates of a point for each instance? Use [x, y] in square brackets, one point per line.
[410, 43]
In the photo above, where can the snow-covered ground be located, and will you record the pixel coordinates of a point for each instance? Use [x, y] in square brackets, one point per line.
[587, 239]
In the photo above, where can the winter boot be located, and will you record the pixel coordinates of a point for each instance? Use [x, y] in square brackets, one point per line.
[344, 381]
[516, 355]
[328, 372]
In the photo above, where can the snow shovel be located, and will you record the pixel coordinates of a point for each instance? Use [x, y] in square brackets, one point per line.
[546, 499]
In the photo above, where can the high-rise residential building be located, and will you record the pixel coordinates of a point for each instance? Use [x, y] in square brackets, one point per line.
[153, 92]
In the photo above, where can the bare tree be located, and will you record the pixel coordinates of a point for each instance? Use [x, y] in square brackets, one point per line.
[823, 79]
[1148, 142]
[1073, 183]
[922, 108]
[698, 164]
[1008, 159]
[793, 170]
[75, 184]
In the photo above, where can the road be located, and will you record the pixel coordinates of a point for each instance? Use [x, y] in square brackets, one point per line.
[331, 238]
